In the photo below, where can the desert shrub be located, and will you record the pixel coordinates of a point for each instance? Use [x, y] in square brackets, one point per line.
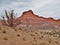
[40, 38]
[31, 31]
[18, 35]
[3, 31]
[47, 32]
[34, 43]
[34, 39]
[36, 33]
[0, 28]
[56, 42]
[5, 38]
[50, 33]
[42, 43]
[54, 35]
[24, 39]
[44, 33]
[41, 32]
[20, 28]
[32, 34]
[49, 41]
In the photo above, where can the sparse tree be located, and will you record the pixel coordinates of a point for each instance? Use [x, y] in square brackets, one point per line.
[9, 19]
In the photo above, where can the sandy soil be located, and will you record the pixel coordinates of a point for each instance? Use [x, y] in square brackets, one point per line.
[10, 36]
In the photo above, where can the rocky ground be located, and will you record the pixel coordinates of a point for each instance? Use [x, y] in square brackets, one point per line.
[14, 36]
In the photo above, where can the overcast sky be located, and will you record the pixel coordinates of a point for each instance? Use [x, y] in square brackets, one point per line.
[45, 8]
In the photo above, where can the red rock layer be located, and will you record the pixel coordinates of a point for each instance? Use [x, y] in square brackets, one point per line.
[31, 18]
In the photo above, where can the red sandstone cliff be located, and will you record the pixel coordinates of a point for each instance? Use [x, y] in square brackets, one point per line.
[28, 18]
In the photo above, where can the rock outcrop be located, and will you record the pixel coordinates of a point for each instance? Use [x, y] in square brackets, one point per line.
[29, 20]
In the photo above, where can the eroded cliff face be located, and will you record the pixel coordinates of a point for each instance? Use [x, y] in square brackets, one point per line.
[30, 20]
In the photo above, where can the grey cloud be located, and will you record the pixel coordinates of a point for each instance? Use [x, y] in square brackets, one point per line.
[50, 10]
[47, 8]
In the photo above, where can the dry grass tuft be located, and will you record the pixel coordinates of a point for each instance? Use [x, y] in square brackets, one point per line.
[32, 34]
[3, 31]
[24, 39]
[5, 38]
[42, 43]
[18, 35]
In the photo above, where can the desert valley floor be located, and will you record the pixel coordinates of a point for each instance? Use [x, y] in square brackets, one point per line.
[11, 36]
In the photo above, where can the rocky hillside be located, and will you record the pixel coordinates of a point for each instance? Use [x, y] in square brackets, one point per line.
[31, 21]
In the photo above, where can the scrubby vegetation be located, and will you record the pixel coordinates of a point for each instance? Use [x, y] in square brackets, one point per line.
[11, 35]
[5, 38]
[30, 38]
[9, 19]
